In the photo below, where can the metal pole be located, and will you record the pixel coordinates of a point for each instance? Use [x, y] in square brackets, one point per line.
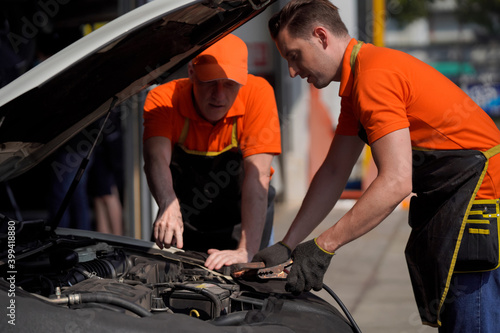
[378, 22]
[137, 200]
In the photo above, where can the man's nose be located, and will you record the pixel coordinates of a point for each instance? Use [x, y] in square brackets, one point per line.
[293, 72]
[218, 89]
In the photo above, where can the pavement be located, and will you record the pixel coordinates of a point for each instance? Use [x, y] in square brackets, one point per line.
[369, 275]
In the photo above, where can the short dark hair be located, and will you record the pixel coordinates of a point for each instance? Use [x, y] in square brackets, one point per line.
[299, 15]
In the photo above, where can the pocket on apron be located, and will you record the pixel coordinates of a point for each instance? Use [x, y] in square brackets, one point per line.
[479, 249]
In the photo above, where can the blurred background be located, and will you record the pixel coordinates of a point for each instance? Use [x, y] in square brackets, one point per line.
[460, 38]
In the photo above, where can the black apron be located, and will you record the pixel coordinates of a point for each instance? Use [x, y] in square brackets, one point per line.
[208, 186]
[445, 183]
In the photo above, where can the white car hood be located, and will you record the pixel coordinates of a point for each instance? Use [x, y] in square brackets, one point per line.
[48, 105]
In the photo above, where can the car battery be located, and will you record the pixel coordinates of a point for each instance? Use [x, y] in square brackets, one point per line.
[199, 300]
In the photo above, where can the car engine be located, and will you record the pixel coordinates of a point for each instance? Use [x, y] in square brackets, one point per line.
[100, 283]
[79, 273]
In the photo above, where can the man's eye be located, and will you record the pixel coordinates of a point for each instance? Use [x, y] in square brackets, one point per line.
[204, 83]
[230, 84]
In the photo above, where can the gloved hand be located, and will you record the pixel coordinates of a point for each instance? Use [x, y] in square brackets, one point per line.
[310, 263]
[273, 255]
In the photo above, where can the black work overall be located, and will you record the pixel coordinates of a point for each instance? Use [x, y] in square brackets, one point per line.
[208, 186]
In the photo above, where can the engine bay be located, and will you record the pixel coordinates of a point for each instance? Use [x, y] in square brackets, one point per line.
[78, 272]
[99, 283]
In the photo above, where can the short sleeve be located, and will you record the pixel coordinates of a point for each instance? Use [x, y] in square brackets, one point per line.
[348, 124]
[158, 112]
[261, 131]
[381, 96]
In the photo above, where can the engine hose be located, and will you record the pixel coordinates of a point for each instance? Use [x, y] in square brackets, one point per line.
[111, 267]
[343, 307]
[205, 292]
[106, 298]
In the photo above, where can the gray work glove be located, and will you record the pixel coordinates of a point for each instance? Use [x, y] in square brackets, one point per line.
[310, 263]
[273, 255]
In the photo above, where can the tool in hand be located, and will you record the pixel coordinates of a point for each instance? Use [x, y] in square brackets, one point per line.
[258, 270]
[250, 268]
[276, 272]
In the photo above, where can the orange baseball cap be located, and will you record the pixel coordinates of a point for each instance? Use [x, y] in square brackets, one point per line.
[226, 59]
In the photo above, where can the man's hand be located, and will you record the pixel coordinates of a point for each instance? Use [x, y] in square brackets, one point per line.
[168, 229]
[218, 258]
[168, 226]
[273, 255]
[310, 263]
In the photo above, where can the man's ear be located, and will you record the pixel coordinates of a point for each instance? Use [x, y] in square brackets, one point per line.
[322, 35]
[191, 70]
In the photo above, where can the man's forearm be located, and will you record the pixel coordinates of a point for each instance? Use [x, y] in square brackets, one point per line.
[393, 157]
[254, 201]
[160, 184]
[378, 201]
[253, 215]
[325, 189]
[318, 202]
[168, 225]
[157, 156]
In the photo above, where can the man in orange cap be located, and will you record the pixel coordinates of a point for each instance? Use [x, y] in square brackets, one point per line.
[209, 141]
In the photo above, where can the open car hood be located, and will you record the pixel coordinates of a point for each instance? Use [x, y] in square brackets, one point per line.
[45, 107]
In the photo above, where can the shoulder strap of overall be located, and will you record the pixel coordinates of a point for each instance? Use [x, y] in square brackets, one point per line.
[354, 54]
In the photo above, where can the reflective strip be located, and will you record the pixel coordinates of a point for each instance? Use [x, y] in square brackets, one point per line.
[479, 221]
[479, 231]
[182, 138]
[486, 201]
[184, 132]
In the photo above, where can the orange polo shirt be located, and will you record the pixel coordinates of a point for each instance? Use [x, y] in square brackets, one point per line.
[258, 128]
[392, 90]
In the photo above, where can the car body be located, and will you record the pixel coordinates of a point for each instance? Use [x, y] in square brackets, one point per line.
[58, 280]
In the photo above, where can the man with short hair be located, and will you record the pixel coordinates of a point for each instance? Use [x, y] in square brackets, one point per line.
[427, 137]
[209, 141]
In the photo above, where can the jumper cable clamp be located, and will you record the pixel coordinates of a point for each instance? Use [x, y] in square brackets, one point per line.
[258, 270]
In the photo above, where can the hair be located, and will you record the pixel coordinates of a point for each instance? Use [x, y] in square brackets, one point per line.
[298, 16]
